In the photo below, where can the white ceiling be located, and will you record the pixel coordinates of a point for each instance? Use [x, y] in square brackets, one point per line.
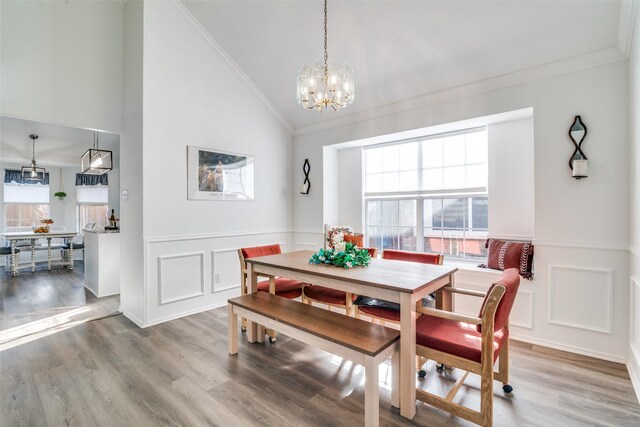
[401, 49]
[55, 146]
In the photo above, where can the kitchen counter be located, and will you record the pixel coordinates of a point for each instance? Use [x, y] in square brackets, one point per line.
[102, 262]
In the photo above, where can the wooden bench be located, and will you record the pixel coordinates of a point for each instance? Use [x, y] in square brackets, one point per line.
[361, 342]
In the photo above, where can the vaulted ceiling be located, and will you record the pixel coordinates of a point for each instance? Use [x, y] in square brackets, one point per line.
[401, 49]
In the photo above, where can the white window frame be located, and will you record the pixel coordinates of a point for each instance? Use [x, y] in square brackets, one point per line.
[422, 195]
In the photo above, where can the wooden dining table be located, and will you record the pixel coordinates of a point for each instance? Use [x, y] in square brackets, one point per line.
[397, 281]
[16, 236]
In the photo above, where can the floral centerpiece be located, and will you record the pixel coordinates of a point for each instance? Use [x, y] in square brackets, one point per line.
[45, 227]
[344, 255]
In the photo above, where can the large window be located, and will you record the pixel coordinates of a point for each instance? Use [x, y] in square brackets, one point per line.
[25, 204]
[429, 194]
[24, 216]
[92, 205]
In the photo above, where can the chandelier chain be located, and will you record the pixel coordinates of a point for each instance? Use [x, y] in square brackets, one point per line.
[326, 55]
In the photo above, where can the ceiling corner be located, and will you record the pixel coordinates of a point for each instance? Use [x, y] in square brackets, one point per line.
[235, 67]
[626, 23]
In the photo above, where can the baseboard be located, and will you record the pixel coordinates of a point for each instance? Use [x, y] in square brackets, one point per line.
[633, 366]
[131, 317]
[567, 348]
[184, 314]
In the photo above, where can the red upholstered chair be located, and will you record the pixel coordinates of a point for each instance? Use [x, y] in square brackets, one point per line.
[285, 288]
[332, 297]
[380, 314]
[472, 344]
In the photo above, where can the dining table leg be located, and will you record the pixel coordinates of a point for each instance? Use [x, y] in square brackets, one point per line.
[14, 259]
[49, 253]
[70, 254]
[252, 288]
[33, 255]
[407, 356]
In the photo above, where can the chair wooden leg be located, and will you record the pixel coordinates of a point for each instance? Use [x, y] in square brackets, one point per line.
[503, 364]
[261, 333]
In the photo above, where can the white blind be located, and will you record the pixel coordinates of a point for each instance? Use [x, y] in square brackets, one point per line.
[92, 195]
[26, 193]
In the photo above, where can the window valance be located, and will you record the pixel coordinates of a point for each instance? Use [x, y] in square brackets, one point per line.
[15, 176]
[91, 180]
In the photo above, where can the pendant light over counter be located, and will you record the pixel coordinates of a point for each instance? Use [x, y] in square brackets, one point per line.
[96, 161]
[33, 172]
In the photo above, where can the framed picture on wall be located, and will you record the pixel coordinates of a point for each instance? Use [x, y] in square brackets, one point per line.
[219, 175]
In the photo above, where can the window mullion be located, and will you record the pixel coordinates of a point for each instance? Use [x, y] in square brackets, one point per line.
[420, 224]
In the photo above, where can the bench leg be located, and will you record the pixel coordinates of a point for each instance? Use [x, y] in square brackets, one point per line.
[261, 333]
[371, 393]
[233, 330]
[395, 380]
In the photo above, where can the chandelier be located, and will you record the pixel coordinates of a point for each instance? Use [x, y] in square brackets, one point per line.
[96, 161]
[33, 172]
[325, 84]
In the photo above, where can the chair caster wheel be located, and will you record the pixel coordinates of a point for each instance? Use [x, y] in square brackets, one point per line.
[439, 366]
[243, 329]
[422, 373]
[272, 340]
[507, 388]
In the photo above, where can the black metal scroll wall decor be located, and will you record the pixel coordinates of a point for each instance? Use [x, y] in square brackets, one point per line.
[306, 185]
[578, 162]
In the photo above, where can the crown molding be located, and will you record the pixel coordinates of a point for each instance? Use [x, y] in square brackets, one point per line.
[568, 65]
[626, 24]
[235, 67]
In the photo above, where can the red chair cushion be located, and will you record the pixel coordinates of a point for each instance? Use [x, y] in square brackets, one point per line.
[510, 279]
[328, 295]
[384, 313]
[424, 258]
[258, 251]
[355, 239]
[285, 288]
[459, 339]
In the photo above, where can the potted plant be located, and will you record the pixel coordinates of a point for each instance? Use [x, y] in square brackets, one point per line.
[60, 195]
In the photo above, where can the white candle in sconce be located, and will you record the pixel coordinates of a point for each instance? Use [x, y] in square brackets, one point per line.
[303, 188]
[580, 168]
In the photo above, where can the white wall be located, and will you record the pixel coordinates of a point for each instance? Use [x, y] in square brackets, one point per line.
[350, 192]
[62, 62]
[511, 179]
[132, 281]
[579, 299]
[192, 96]
[634, 282]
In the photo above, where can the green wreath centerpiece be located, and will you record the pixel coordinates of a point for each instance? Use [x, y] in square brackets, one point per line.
[346, 255]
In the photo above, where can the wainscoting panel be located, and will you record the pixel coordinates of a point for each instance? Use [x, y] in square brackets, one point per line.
[180, 277]
[523, 310]
[581, 298]
[225, 270]
[189, 274]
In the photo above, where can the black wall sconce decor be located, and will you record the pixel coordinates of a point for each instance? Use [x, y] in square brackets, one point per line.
[578, 162]
[306, 185]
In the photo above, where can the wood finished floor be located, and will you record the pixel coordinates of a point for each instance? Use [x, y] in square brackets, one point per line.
[111, 373]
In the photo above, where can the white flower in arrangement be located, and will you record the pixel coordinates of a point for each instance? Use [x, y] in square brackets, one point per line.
[340, 247]
[321, 258]
[348, 264]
